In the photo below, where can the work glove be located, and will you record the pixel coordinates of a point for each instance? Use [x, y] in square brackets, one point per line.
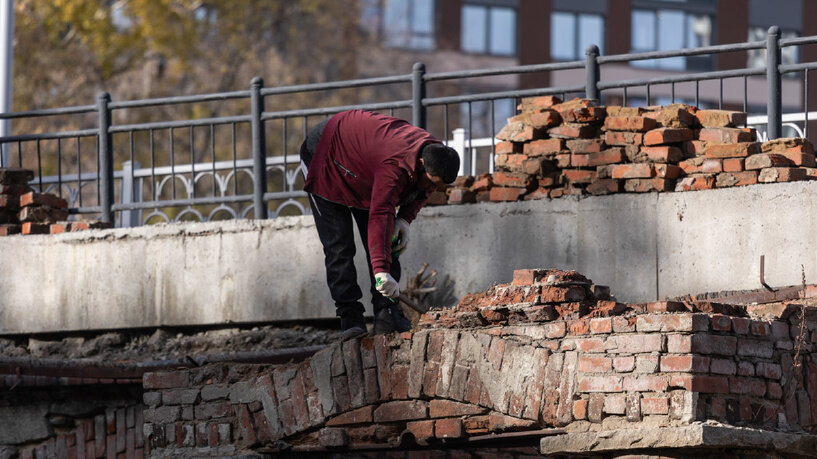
[386, 285]
[400, 236]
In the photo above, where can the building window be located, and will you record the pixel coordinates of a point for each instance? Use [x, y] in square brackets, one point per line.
[401, 23]
[571, 33]
[671, 29]
[757, 57]
[489, 30]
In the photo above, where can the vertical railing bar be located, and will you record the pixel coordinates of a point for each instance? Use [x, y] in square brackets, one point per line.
[79, 173]
[235, 163]
[284, 186]
[98, 176]
[774, 90]
[213, 156]
[697, 93]
[418, 93]
[805, 102]
[445, 122]
[720, 93]
[132, 166]
[493, 138]
[172, 165]
[105, 158]
[152, 167]
[672, 91]
[624, 102]
[59, 167]
[259, 146]
[649, 102]
[19, 153]
[39, 165]
[470, 136]
[745, 96]
[192, 162]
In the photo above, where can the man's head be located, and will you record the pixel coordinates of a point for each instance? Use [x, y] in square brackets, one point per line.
[441, 163]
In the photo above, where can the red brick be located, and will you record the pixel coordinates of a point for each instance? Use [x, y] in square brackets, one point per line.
[667, 171]
[687, 363]
[622, 138]
[663, 154]
[624, 364]
[563, 160]
[578, 175]
[692, 165]
[629, 123]
[36, 228]
[626, 171]
[636, 344]
[709, 384]
[649, 185]
[600, 187]
[512, 180]
[591, 364]
[403, 410]
[507, 148]
[721, 322]
[769, 370]
[654, 405]
[601, 325]
[165, 379]
[422, 430]
[726, 136]
[537, 166]
[578, 160]
[696, 183]
[499, 194]
[733, 164]
[510, 162]
[740, 325]
[798, 158]
[517, 132]
[645, 383]
[727, 179]
[62, 227]
[720, 118]
[437, 198]
[541, 119]
[666, 306]
[538, 103]
[37, 199]
[573, 131]
[764, 160]
[667, 135]
[712, 166]
[9, 229]
[546, 147]
[9, 201]
[600, 384]
[585, 146]
[584, 115]
[608, 156]
[359, 416]
[448, 428]
[732, 150]
[580, 410]
[555, 330]
[482, 183]
[447, 408]
[774, 391]
[781, 174]
[747, 386]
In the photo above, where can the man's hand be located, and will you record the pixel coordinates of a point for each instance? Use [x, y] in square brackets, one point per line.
[401, 234]
[386, 285]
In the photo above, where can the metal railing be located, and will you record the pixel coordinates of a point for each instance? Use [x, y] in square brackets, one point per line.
[154, 187]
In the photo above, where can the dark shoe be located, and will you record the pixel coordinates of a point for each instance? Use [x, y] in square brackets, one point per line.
[352, 324]
[391, 319]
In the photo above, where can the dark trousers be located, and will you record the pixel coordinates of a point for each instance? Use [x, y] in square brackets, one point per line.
[334, 224]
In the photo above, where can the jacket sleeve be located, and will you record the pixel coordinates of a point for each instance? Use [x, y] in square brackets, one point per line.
[410, 210]
[389, 182]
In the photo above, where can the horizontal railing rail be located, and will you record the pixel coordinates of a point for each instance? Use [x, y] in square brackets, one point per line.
[256, 178]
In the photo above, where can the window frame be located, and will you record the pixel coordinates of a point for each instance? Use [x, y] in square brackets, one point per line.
[576, 16]
[486, 45]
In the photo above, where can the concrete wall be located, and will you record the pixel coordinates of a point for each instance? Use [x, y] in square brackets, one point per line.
[644, 247]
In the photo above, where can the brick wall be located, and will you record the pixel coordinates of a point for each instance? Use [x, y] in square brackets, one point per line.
[554, 148]
[548, 350]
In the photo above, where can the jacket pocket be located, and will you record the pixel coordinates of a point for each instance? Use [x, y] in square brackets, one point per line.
[345, 170]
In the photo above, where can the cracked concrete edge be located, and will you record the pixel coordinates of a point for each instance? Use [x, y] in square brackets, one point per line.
[696, 436]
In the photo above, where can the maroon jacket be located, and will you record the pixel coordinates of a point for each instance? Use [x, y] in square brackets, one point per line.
[368, 160]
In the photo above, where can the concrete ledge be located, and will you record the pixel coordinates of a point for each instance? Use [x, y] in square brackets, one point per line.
[686, 438]
[644, 246]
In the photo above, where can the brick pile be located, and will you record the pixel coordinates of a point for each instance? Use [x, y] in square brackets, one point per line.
[24, 211]
[553, 148]
[550, 349]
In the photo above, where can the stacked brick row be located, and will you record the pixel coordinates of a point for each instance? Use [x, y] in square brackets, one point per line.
[24, 211]
[552, 149]
[550, 349]
[116, 433]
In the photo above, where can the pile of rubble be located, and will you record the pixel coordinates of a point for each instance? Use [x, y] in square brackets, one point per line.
[24, 211]
[552, 149]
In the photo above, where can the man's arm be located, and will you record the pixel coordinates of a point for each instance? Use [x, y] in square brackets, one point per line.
[389, 183]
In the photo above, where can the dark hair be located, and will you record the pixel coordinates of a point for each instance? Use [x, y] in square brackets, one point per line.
[441, 161]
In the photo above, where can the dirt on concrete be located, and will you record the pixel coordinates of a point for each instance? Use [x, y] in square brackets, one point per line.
[165, 344]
